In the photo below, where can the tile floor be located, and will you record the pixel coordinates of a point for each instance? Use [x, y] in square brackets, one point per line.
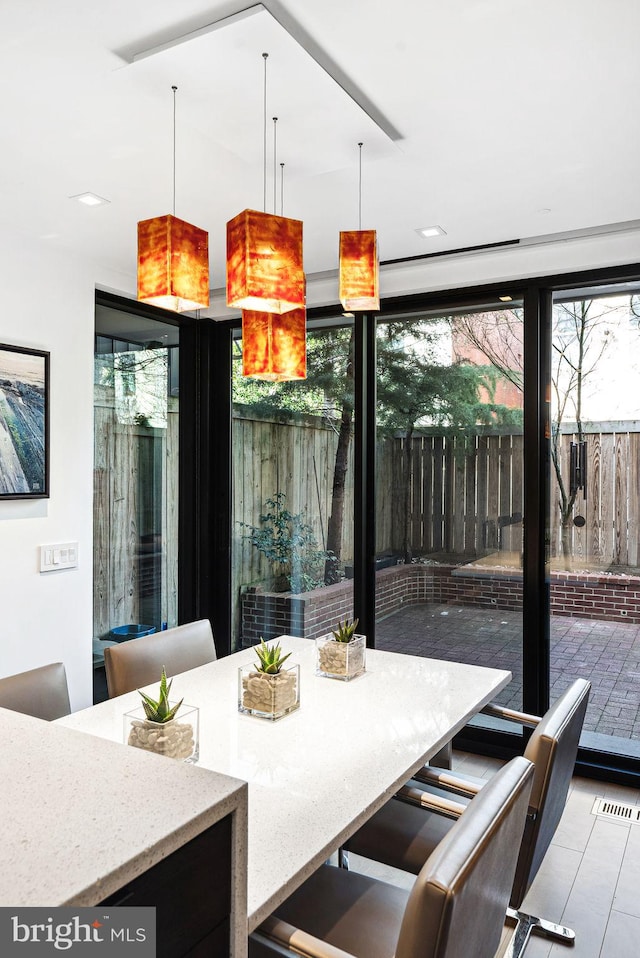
[589, 879]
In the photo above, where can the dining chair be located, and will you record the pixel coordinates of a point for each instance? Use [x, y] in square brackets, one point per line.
[456, 906]
[404, 832]
[40, 692]
[139, 662]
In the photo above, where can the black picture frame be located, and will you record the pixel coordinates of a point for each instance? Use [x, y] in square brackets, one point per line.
[24, 423]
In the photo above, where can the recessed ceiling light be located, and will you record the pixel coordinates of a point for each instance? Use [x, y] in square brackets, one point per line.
[90, 199]
[505, 299]
[428, 231]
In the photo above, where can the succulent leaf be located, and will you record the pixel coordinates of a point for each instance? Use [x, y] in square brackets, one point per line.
[346, 631]
[160, 711]
[270, 657]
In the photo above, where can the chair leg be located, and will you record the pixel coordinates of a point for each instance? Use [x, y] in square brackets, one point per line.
[526, 925]
[343, 858]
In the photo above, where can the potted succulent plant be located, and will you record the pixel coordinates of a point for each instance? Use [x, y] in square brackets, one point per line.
[265, 688]
[153, 726]
[341, 653]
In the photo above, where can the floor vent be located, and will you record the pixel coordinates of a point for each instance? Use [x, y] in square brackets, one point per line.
[618, 811]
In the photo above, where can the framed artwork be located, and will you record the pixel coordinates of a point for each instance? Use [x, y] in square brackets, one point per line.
[24, 423]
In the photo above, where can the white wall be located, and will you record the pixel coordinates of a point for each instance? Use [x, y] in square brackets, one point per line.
[48, 303]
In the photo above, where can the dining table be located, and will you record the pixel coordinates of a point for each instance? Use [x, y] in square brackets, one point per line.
[315, 775]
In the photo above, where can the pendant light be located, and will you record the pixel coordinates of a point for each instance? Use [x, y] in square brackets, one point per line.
[173, 257]
[274, 345]
[359, 281]
[264, 255]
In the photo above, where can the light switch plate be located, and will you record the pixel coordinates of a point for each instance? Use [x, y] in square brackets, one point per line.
[58, 555]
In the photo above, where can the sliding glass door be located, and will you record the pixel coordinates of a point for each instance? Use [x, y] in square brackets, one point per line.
[136, 417]
[594, 527]
[292, 516]
[450, 487]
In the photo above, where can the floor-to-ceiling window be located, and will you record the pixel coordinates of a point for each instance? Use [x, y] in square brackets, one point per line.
[594, 517]
[450, 486]
[136, 417]
[498, 501]
[292, 475]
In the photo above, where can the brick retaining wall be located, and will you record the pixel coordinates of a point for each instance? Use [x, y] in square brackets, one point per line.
[309, 614]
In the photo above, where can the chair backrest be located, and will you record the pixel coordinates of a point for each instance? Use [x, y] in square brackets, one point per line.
[138, 662]
[40, 692]
[457, 905]
[552, 748]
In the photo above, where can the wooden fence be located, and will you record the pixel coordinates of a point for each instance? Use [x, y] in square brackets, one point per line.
[465, 494]
[135, 568]
[466, 499]
[611, 508]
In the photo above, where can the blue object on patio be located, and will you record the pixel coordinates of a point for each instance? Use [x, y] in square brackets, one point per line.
[122, 633]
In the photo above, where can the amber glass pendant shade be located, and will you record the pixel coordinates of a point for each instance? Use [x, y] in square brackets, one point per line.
[264, 262]
[173, 264]
[359, 283]
[274, 345]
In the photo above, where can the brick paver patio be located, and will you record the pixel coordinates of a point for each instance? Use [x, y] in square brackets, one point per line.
[606, 653]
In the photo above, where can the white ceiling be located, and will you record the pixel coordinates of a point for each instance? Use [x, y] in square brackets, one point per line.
[512, 119]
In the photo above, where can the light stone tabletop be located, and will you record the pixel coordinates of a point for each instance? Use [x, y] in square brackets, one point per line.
[81, 816]
[317, 774]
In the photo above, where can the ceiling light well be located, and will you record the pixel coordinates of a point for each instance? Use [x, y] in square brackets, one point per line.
[90, 199]
[427, 232]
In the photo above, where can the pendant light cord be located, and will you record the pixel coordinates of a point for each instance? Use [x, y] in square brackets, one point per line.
[264, 136]
[360, 188]
[275, 159]
[174, 88]
[282, 189]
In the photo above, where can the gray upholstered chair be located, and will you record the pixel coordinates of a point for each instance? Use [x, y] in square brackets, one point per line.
[455, 909]
[404, 833]
[131, 665]
[41, 692]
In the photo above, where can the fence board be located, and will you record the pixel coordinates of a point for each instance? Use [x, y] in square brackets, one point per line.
[449, 508]
[427, 494]
[634, 499]
[606, 497]
[493, 490]
[470, 512]
[458, 503]
[620, 485]
[438, 493]
[593, 524]
[482, 462]
[504, 496]
[417, 506]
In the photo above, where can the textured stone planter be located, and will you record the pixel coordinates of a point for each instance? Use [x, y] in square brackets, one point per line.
[268, 696]
[176, 739]
[340, 660]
